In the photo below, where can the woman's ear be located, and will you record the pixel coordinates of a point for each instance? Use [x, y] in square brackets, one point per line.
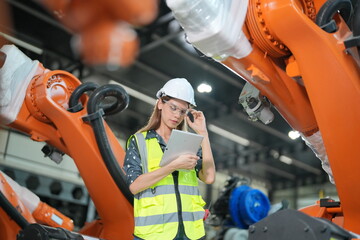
[160, 104]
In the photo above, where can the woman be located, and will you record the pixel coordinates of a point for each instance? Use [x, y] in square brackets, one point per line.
[167, 202]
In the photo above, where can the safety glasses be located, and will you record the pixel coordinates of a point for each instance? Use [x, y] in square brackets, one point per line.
[174, 108]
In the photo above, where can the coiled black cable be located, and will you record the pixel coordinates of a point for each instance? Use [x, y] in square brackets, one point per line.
[94, 108]
[330, 8]
[74, 101]
[75, 104]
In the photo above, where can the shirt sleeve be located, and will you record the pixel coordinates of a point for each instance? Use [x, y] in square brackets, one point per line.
[132, 163]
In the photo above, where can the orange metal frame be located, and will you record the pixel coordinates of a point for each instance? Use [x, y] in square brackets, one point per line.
[8, 227]
[327, 101]
[286, 43]
[44, 116]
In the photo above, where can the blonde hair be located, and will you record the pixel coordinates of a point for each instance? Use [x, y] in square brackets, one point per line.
[155, 119]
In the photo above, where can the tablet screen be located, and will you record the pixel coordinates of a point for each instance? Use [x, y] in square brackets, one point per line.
[180, 142]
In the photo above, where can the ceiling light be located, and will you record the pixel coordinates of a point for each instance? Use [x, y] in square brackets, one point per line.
[229, 135]
[286, 159]
[204, 88]
[293, 134]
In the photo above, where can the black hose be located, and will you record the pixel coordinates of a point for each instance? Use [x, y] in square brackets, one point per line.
[79, 91]
[109, 90]
[41, 232]
[12, 212]
[75, 104]
[330, 8]
[94, 107]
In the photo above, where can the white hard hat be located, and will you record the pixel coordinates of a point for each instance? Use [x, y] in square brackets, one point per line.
[178, 88]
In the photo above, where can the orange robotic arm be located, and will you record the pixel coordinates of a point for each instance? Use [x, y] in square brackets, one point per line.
[30, 208]
[37, 103]
[41, 104]
[103, 35]
[309, 70]
[11, 221]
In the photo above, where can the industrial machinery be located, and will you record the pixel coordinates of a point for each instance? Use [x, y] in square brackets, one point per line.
[238, 207]
[52, 107]
[255, 105]
[33, 91]
[302, 55]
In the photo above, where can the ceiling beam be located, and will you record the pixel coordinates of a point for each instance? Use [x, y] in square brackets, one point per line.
[247, 174]
[276, 171]
[263, 127]
[197, 60]
[39, 15]
[165, 77]
[160, 41]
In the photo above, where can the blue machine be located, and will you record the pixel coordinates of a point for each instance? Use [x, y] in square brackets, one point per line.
[247, 206]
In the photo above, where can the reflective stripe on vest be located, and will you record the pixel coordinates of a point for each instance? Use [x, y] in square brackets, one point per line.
[169, 217]
[155, 209]
[167, 189]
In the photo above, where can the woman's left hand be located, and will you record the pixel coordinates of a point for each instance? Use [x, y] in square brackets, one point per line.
[199, 124]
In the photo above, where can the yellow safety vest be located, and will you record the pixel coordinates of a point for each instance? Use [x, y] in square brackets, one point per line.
[156, 208]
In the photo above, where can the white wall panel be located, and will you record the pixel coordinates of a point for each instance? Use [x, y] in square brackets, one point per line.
[22, 153]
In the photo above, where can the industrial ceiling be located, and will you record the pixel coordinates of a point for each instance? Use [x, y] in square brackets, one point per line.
[165, 54]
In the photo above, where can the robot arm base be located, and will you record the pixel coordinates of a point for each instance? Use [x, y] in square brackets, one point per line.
[296, 225]
[41, 232]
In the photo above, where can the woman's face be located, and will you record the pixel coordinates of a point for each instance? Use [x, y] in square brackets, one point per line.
[173, 112]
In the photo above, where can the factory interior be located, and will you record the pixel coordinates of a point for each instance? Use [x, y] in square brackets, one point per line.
[264, 153]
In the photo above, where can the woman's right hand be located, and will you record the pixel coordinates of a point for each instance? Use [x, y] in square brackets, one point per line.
[186, 161]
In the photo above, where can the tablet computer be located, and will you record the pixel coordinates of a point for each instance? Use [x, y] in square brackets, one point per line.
[180, 142]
